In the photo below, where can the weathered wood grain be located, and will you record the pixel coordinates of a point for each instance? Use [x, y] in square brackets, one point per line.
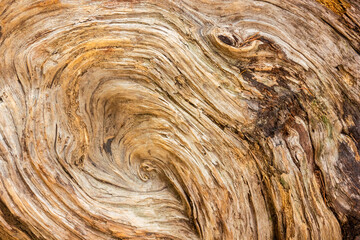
[183, 119]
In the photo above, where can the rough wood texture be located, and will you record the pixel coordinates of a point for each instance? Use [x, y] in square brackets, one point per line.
[180, 119]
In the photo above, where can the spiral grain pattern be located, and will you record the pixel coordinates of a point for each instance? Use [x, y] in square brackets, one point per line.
[164, 119]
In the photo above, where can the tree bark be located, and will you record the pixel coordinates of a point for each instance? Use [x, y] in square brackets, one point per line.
[186, 119]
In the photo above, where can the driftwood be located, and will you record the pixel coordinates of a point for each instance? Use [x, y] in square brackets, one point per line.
[180, 119]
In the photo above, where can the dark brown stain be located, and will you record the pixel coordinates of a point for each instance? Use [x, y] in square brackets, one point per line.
[279, 103]
[248, 75]
[107, 146]
[275, 114]
[321, 182]
[351, 109]
[350, 167]
[16, 222]
[351, 229]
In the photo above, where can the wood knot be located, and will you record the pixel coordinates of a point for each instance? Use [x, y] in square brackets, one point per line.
[232, 44]
[228, 40]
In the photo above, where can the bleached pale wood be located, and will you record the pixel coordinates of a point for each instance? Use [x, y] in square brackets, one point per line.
[179, 119]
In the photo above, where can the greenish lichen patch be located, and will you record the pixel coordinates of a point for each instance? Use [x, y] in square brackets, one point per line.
[328, 125]
[284, 183]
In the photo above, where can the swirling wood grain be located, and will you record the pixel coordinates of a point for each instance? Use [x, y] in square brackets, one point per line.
[183, 119]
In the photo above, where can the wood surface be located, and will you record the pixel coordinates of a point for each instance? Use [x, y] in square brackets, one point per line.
[155, 119]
